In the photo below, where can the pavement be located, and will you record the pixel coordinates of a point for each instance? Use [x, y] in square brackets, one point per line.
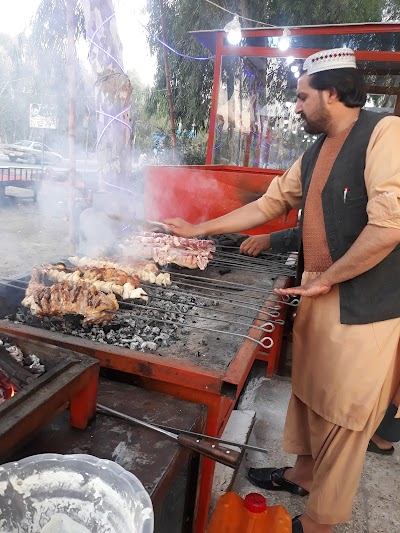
[377, 505]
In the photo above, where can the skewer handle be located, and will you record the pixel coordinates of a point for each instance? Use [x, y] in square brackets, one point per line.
[216, 452]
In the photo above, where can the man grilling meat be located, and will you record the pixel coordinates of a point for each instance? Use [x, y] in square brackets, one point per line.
[346, 360]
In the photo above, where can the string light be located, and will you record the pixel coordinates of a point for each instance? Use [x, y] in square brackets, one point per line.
[102, 49]
[240, 16]
[172, 49]
[94, 34]
[111, 121]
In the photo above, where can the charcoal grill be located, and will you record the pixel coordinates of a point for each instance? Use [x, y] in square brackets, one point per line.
[209, 363]
[71, 380]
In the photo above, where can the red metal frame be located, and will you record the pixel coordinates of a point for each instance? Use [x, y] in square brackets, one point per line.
[298, 53]
[198, 193]
[218, 390]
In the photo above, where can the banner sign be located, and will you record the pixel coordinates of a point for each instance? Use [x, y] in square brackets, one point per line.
[43, 116]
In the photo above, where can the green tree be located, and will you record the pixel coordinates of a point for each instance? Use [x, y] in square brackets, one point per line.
[111, 90]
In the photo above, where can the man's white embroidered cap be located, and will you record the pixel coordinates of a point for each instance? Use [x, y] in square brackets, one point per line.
[329, 60]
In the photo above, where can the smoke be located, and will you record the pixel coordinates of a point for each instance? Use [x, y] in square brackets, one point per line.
[32, 232]
[191, 193]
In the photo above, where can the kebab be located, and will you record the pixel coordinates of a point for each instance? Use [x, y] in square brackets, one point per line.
[165, 249]
[61, 299]
[107, 280]
[144, 270]
[83, 291]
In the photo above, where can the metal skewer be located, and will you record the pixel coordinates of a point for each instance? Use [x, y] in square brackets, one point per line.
[215, 452]
[265, 328]
[193, 434]
[265, 342]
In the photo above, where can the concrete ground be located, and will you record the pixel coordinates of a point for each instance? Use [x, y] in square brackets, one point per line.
[377, 505]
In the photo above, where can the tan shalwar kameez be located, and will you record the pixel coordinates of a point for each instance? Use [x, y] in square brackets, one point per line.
[344, 376]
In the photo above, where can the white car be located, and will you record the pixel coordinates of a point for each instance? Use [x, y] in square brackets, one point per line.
[31, 152]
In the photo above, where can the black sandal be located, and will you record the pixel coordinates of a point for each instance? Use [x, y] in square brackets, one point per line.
[374, 448]
[297, 526]
[272, 479]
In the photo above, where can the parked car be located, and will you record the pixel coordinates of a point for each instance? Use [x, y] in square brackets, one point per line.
[31, 152]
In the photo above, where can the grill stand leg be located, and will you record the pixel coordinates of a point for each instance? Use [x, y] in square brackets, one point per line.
[83, 404]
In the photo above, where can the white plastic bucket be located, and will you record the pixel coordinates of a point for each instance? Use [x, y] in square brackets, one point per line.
[95, 493]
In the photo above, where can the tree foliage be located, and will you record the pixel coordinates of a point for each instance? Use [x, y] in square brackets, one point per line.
[47, 49]
[191, 80]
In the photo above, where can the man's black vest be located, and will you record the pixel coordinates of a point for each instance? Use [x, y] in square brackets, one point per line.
[374, 295]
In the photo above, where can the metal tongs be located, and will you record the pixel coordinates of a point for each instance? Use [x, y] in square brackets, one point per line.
[195, 441]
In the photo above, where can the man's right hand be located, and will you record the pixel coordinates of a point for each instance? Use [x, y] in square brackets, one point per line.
[181, 228]
[255, 245]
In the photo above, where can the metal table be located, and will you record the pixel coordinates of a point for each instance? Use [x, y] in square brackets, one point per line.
[168, 471]
[218, 389]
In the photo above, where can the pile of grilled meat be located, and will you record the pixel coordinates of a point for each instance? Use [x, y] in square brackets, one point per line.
[90, 286]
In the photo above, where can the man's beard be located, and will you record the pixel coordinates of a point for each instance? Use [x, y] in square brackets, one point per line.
[319, 125]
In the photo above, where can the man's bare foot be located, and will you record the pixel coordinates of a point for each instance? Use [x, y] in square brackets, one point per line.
[309, 526]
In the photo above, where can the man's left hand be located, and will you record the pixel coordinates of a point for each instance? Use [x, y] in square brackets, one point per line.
[312, 289]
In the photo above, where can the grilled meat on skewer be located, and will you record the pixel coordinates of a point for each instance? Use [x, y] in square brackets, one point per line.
[165, 249]
[145, 270]
[108, 280]
[82, 299]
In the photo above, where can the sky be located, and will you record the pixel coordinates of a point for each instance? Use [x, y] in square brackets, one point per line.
[16, 15]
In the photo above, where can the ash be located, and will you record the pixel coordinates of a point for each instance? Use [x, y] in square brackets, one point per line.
[137, 325]
[30, 361]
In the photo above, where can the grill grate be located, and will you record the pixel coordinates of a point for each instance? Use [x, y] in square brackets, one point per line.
[203, 315]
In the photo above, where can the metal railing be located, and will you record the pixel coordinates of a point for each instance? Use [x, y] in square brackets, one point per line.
[16, 175]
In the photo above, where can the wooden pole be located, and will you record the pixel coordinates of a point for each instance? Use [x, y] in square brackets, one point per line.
[168, 82]
[71, 124]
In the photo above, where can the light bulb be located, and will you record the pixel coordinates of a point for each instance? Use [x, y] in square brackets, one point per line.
[284, 41]
[296, 74]
[234, 31]
[289, 60]
[294, 68]
[234, 37]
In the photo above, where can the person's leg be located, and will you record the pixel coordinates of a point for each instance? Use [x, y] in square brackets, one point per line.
[388, 430]
[302, 472]
[339, 457]
[382, 444]
[296, 442]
